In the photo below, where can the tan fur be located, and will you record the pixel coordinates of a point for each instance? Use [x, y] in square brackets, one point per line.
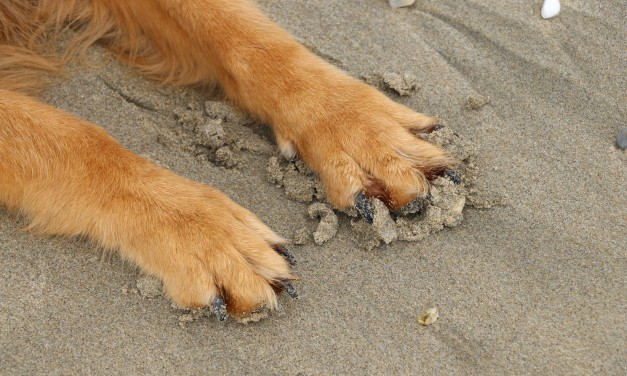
[194, 238]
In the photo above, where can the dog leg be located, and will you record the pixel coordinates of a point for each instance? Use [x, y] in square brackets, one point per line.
[70, 178]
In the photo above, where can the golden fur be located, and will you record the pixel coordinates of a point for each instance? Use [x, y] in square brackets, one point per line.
[199, 242]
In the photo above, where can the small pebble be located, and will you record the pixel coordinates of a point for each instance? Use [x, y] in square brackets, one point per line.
[550, 8]
[400, 3]
[621, 139]
[428, 317]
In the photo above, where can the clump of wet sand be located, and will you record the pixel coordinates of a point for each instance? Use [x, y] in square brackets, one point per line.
[400, 84]
[327, 228]
[476, 102]
[218, 134]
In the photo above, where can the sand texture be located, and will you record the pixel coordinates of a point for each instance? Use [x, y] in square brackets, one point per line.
[525, 260]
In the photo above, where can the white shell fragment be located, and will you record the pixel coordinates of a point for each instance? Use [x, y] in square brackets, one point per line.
[400, 3]
[428, 317]
[550, 8]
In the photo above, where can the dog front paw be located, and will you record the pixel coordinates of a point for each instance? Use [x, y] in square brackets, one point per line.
[207, 250]
[362, 144]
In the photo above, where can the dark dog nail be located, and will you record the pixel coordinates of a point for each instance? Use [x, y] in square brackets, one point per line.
[289, 256]
[219, 308]
[291, 291]
[362, 204]
[452, 176]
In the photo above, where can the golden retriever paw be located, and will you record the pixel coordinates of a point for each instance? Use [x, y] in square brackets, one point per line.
[210, 252]
[361, 143]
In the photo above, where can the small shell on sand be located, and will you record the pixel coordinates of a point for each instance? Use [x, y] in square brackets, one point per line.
[428, 317]
[550, 8]
[400, 3]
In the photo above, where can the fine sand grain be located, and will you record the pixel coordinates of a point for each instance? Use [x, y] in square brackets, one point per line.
[525, 260]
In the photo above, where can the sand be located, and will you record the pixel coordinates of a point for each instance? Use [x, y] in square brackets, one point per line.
[530, 280]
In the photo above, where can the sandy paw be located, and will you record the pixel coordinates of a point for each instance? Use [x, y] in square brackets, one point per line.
[364, 145]
[210, 252]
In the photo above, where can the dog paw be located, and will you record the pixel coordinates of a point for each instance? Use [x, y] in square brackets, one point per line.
[209, 251]
[362, 144]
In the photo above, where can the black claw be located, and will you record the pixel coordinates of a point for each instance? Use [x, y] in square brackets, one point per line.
[362, 204]
[291, 291]
[289, 256]
[452, 176]
[219, 309]
[437, 127]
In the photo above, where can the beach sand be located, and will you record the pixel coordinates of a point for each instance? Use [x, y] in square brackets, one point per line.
[532, 280]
